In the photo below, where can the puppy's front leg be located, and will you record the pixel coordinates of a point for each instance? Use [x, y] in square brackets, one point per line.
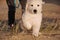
[36, 29]
[27, 25]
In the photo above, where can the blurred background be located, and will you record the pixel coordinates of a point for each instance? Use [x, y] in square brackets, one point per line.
[50, 24]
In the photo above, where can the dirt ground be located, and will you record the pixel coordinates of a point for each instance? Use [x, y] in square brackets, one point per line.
[51, 20]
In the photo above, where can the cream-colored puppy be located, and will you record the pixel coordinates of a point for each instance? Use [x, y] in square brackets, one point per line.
[32, 17]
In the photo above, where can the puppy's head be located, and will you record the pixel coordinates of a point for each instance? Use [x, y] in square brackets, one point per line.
[34, 6]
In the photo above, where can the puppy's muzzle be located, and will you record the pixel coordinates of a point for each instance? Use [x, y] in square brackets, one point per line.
[35, 11]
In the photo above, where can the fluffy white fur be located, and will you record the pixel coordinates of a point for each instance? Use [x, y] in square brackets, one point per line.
[31, 19]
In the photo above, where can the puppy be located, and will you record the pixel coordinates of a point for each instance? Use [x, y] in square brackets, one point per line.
[32, 17]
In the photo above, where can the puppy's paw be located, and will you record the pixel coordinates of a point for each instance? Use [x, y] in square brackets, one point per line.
[34, 34]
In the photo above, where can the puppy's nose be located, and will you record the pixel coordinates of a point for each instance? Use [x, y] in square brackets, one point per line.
[35, 11]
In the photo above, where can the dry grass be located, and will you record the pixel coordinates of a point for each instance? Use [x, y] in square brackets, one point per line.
[50, 27]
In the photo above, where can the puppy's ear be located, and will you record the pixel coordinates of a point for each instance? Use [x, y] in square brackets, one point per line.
[43, 2]
[26, 7]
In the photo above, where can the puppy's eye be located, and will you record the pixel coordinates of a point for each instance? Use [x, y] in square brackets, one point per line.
[32, 5]
[38, 5]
